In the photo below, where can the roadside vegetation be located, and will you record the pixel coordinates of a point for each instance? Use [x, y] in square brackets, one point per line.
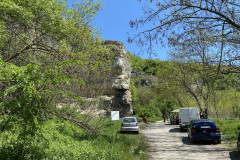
[50, 54]
[60, 139]
[171, 85]
[229, 129]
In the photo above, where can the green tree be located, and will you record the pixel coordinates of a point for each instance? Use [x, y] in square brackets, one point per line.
[180, 22]
[199, 31]
[157, 98]
[49, 52]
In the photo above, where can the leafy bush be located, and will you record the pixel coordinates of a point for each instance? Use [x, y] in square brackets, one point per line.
[59, 139]
[229, 130]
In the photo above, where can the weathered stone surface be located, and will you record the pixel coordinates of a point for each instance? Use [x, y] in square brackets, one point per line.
[144, 79]
[120, 86]
[116, 95]
[121, 82]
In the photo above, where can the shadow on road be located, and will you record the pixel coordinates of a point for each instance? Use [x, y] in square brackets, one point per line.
[186, 141]
[235, 155]
[127, 132]
[175, 130]
[171, 124]
[167, 124]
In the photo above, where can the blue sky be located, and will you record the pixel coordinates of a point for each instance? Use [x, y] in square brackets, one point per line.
[113, 23]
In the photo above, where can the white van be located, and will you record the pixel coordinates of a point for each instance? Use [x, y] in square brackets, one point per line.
[186, 115]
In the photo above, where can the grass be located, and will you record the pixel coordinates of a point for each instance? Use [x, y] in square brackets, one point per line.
[134, 146]
[229, 131]
[59, 139]
[154, 118]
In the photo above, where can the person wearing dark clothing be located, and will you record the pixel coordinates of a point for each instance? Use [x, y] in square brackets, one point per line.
[177, 120]
[164, 118]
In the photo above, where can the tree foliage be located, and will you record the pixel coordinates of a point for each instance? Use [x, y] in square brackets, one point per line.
[185, 84]
[143, 65]
[49, 53]
[203, 33]
[155, 97]
[188, 22]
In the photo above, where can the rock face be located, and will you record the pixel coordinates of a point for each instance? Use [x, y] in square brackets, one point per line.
[143, 79]
[118, 89]
[115, 94]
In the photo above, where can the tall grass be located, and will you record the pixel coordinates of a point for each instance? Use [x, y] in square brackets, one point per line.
[59, 139]
[229, 130]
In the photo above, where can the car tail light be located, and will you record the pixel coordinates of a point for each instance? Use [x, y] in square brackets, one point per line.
[193, 130]
[136, 124]
[179, 120]
[217, 130]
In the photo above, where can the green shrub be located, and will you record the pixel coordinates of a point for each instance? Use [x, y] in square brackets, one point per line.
[59, 139]
[229, 130]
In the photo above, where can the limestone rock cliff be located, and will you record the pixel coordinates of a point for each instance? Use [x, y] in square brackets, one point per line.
[119, 88]
[114, 93]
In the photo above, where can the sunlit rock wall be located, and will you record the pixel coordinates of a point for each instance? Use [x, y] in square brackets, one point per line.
[111, 95]
[119, 87]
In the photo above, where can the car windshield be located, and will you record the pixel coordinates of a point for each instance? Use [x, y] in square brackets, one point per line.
[202, 121]
[129, 120]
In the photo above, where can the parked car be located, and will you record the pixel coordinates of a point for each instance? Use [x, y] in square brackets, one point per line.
[204, 129]
[238, 142]
[130, 124]
[186, 115]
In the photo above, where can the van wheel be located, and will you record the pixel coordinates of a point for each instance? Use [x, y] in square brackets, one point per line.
[181, 128]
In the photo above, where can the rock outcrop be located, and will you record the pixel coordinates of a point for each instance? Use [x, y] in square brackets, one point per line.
[144, 79]
[113, 94]
[119, 88]
[116, 94]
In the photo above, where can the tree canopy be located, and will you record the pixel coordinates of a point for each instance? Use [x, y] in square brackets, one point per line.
[49, 53]
[188, 22]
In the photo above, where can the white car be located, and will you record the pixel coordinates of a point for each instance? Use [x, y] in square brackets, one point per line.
[130, 124]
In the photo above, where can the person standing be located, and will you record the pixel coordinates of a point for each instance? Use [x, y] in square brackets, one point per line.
[145, 119]
[164, 118]
[167, 118]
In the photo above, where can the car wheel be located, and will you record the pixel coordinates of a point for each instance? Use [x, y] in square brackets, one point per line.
[238, 145]
[192, 140]
[219, 141]
[181, 129]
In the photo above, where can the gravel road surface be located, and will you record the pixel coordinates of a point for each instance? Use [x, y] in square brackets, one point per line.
[167, 142]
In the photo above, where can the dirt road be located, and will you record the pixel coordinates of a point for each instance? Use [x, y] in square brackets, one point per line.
[167, 142]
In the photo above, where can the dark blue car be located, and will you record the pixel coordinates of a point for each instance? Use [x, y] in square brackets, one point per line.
[204, 129]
